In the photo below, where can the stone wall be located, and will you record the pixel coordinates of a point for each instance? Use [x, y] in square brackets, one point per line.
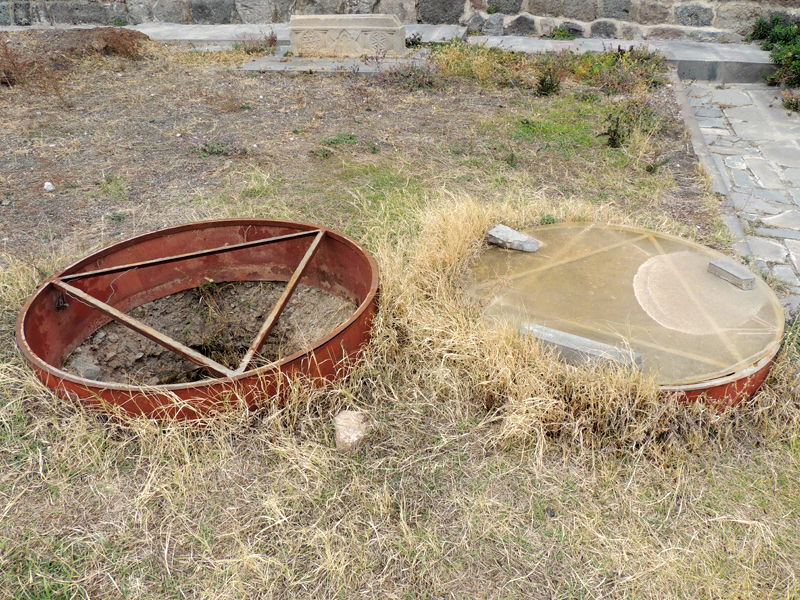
[702, 20]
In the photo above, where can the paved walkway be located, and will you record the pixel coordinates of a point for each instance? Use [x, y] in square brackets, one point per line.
[754, 144]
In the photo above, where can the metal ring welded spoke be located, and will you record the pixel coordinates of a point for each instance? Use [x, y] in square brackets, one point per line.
[147, 331]
[174, 345]
[272, 318]
[178, 257]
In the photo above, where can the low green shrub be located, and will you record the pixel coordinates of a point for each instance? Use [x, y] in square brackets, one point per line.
[781, 37]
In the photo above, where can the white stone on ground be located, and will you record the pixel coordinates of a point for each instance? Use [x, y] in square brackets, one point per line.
[351, 427]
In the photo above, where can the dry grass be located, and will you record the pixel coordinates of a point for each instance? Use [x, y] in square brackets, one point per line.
[494, 471]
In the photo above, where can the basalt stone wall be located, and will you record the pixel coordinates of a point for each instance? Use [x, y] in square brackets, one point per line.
[702, 20]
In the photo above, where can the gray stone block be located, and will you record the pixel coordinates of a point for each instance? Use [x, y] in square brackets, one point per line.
[742, 178]
[786, 274]
[263, 11]
[767, 250]
[139, 12]
[574, 28]
[604, 29]
[172, 11]
[794, 252]
[89, 13]
[577, 350]
[21, 12]
[39, 14]
[717, 123]
[694, 15]
[749, 112]
[651, 13]
[738, 18]
[476, 22]
[746, 202]
[782, 152]
[318, 7]
[752, 132]
[212, 12]
[546, 8]
[507, 7]
[114, 11]
[764, 173]
[728, 98]
[667, 33]
[716, 37]
[772, 195]
[583, 10]
[792, 176]
[522, 25]
[405, 10]
[733, 272]
[616, 9]
[85, 368]
[546, 26]
[435, 12]
[5, 14]
[782, 234]
[493, 25]
[791, 306]
[506, 237]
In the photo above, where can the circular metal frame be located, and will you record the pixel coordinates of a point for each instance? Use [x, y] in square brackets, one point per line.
[589, 269]
[74, 303]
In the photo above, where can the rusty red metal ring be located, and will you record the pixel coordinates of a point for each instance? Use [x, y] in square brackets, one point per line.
[55, 321]
[728, 391]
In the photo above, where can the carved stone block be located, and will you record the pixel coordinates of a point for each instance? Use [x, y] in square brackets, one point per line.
[347, 35]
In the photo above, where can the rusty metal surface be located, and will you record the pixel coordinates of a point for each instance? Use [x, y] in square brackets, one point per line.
[275, 314]
[727, 391]
[57, 318]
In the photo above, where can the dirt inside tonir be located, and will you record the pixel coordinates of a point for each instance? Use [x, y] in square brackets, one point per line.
[219, 320]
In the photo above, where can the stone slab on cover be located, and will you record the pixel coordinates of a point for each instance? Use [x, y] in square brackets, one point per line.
[347, 35]
[577, 350]
[733, 272]
[505, 237]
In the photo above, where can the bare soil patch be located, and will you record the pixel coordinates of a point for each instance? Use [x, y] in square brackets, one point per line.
[175, 136]
[219, 320]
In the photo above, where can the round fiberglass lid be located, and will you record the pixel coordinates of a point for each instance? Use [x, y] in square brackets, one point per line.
[634, 289]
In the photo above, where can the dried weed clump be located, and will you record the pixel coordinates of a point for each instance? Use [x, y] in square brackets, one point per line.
[620, 71]
[43, 64]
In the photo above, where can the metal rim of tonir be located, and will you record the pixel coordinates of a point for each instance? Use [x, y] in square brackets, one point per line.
[341, 264]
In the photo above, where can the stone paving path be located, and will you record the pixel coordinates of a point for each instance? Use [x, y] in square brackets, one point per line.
[755, 144]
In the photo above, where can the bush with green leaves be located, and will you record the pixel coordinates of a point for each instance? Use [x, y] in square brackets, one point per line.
[562, 33]
[781, 37]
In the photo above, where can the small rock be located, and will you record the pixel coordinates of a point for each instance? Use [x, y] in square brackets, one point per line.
[505, 237]
[85, 368]
[49, 187]
[351, 427]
